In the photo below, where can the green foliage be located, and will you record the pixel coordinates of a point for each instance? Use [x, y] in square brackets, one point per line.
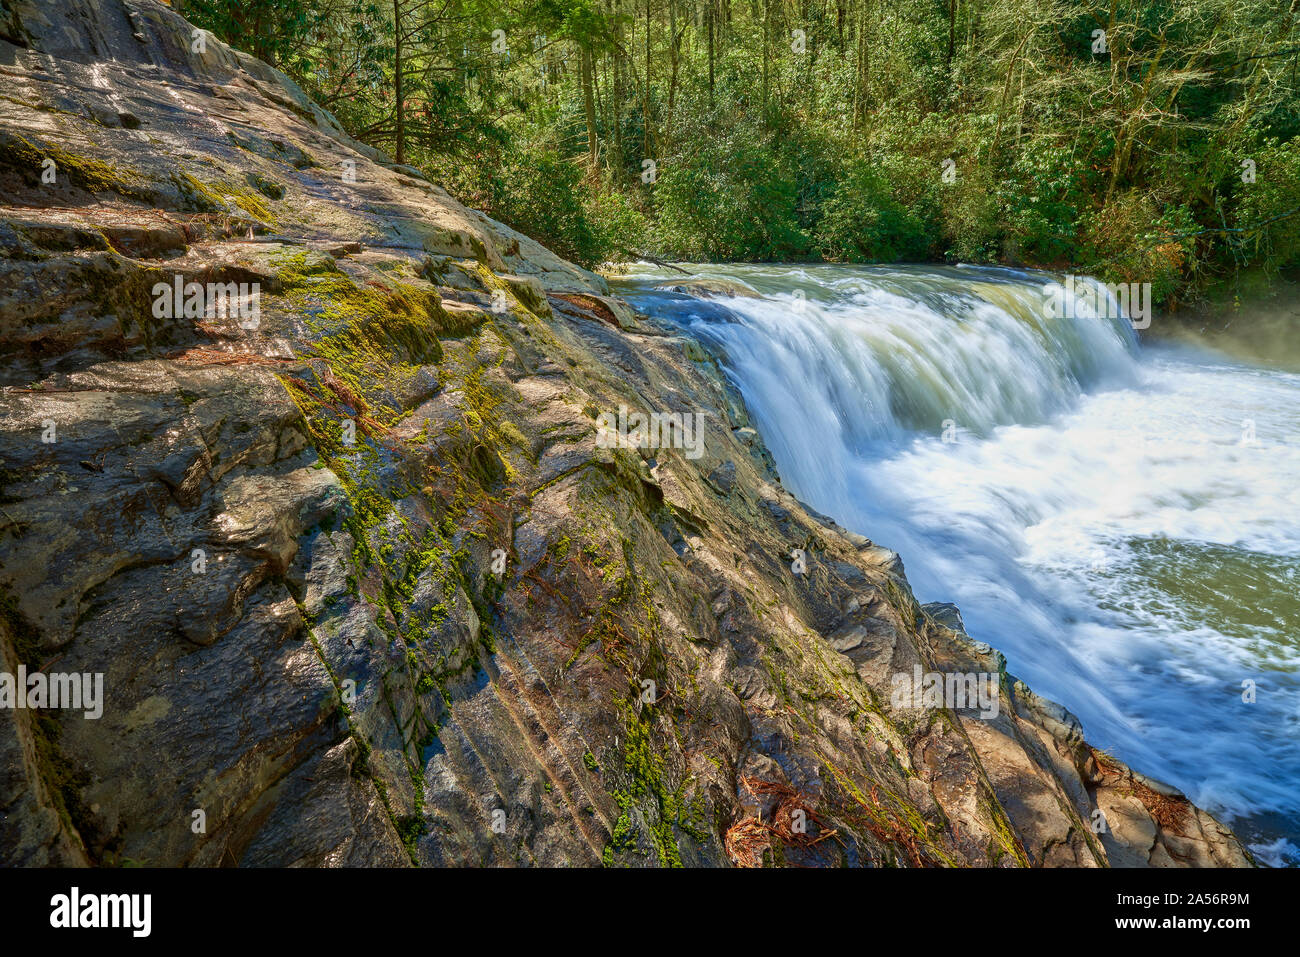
[268, 29]
[736, 197]
[535, 192]
[1267, 208]
[619, 226]
[1043, 194]
[1131, 241]
[864, 222]
[543, 113]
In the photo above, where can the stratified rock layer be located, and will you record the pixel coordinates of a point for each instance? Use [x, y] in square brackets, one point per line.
[364, 584]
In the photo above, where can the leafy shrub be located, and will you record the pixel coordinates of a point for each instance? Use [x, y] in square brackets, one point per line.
[1045, 193]
[1134, 239]
[620, 228]
[863, 221]
[734, 198]
[534, 191]
[972, 217]
[1269, 208]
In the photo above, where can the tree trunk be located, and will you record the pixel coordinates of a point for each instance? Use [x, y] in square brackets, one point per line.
[711, 6]
[952, 35]
[616, 101]
[589, 104]
[766, 12]
[860, 74]
[674, 45]
[400, 152]
[645, 97]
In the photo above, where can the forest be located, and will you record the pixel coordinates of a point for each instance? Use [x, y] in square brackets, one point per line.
[1137, 141]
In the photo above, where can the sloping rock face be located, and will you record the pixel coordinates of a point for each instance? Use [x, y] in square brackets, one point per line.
[365, 580]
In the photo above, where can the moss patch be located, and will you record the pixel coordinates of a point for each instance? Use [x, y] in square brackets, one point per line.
[227, 196]
[28, 159]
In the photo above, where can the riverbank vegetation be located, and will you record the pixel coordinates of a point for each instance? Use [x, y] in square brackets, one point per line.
[1132, 139]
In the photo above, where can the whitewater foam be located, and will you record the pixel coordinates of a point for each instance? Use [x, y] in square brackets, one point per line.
[1123, 522]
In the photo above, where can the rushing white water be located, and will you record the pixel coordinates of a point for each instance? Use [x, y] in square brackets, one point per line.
[1122, 521]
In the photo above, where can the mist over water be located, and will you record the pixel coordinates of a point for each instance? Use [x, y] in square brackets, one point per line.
[1122, 521]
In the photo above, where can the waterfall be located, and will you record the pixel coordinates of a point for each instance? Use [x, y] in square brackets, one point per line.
[1122, 521]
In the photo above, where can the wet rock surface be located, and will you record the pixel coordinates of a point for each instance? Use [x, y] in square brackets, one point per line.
[365, 583]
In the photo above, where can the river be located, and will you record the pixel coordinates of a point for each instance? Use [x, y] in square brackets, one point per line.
[1120, 517]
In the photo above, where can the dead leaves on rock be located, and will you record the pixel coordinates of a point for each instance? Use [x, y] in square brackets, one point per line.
[1169, 813]
[746, 840]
